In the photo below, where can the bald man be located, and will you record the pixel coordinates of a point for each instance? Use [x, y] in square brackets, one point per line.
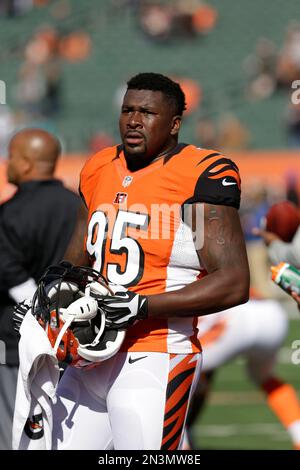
[33, 154]
[36, 225]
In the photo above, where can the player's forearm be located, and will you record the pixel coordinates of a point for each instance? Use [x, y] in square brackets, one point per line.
[217, 291]
[76, 255]
[290, 252]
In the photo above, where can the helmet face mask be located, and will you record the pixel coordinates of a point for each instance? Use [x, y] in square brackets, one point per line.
[67, 350]
[65, 305]
[64, 279]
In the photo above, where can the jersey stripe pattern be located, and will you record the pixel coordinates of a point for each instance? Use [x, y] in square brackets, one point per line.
[177, 397]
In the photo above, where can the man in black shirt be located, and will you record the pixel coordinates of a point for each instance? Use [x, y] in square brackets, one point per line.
[36, 225]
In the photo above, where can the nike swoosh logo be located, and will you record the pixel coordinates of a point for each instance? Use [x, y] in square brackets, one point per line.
[227, 183]
[131, 361]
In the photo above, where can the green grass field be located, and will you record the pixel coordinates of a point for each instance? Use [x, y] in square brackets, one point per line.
[237, 416]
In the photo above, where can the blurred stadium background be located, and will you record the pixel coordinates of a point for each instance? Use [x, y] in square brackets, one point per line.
[65, 64]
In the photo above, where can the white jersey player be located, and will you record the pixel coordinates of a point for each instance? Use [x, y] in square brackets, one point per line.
[255, 331]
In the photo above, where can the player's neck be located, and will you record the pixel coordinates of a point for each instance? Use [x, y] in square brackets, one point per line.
[135, 163]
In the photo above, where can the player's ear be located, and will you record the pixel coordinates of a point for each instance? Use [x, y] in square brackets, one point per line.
[176, 123]
[27, 165]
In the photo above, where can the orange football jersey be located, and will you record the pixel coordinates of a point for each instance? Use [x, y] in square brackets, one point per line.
[138, 235]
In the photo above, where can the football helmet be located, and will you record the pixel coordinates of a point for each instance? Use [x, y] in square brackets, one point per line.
[65, 304]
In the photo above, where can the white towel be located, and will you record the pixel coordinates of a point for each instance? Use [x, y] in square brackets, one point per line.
[37, 381]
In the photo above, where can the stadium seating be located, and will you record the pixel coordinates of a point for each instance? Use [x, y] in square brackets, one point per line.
[120, 49]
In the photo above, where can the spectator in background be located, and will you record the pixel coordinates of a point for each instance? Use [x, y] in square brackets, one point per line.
[76, 46]
[204, 18]
[229, 134]
[292, 124]
[181, 18]
[31, 89]
[156, 20]
[36, 225]
[260, 68]
[39, 88]
[288, 64]
[13, 8]
[49, 38]
[233, 135]
[193, 17]
[206, 133]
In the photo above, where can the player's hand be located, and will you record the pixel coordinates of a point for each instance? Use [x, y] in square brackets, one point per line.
[124, 308]
[19, 313]
[268, 237]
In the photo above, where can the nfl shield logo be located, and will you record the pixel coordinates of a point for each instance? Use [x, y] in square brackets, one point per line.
[127, 180]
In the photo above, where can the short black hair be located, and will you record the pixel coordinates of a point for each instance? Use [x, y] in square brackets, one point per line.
[157, 82]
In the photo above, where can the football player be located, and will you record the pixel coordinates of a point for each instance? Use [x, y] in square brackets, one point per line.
[158, 214]
[255, 331]
[278, 251]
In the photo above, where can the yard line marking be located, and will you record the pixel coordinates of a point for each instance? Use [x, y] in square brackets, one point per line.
[237, 398]
[276, 431]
